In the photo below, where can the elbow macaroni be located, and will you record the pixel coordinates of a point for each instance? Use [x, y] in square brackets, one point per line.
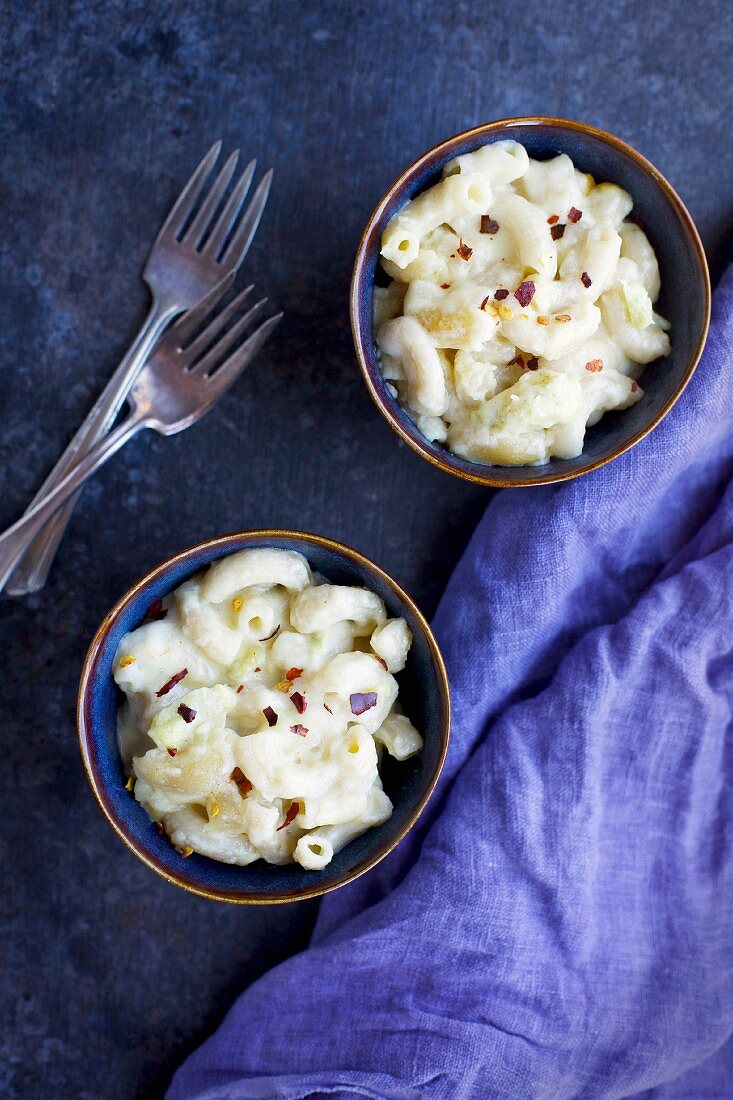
[257, 708]
[520, 308]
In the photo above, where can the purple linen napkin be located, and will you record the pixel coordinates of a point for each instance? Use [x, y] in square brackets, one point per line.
[561, 925]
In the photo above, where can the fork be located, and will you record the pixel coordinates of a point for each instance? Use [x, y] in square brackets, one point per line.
[184, 377]
[185, 262]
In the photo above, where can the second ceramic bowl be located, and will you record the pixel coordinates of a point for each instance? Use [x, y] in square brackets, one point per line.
[685, 297]
[423, 695]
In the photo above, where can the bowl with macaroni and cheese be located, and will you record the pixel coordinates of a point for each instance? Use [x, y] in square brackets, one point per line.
[264, 716]
[529, 299]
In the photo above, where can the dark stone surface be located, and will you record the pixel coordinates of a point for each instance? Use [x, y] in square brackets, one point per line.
[109, 974]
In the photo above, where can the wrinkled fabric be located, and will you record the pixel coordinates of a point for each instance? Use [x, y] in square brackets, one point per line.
[560, 923]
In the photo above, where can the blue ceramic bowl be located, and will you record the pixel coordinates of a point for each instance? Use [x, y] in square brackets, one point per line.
[423, 694]
[685, 297]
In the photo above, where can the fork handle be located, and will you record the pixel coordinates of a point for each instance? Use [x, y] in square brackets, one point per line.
[32, 570]
[15, 541]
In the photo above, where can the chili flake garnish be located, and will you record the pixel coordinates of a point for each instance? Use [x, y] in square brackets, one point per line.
[488, 225]
[557, 231]
[290, 816]
[485, 302]
[172, 752]
[243, 784]
[517, 361]
[175, 679]
[155, 612]
[501, 294]
[464, 251]
[553, 219]
[270, 715]
[574, 215]
[270, 636]
[300, 730]
[533, 363]
[299, 702]
[258, 669]
[186, 713]
[594, 365]
[445, 286]
[525, 293]
[586, 279]
[240, 689]
[127, 660]
[634, 387]
[562, 317]
[237, 603]
[293, 673]
[362, 701]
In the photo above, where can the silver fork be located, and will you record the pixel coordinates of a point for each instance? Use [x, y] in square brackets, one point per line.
[184, 263]
[183, 378]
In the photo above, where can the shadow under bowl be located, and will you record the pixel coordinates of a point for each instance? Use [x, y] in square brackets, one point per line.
[424, 696]
[684, 299]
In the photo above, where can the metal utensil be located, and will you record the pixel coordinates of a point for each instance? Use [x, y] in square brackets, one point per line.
[197, 245]
[183, 378]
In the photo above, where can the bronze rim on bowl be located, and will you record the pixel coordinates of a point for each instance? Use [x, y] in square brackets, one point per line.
[224, 542]
[442, 152]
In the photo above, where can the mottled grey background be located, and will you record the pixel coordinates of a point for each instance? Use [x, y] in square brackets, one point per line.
[108, 974]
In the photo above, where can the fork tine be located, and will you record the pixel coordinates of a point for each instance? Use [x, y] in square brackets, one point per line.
[238, 247]
[216, 324]
[185, 327]
[230, 370]
[229, 214]
[187, 198]
[229, 339]
[209, 206]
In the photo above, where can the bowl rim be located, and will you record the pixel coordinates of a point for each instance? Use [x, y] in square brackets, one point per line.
[441, 151]
[158, 571]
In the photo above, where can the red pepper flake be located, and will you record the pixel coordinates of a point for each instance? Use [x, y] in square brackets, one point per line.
[293, 673]
[186, 713]
[586, 279]
[172, 752]
[464, 251]
[290, 816]
[553, 219]
[300, 730]
[501, 294]
[298, 702]
[270, 715]
[634, 387]
[525, 293]
[243, 784]
[362, 701]
[485, 301]
[328, 708]
[594, 366]
[175, 679]
[445, 286]
[258, 669]
[488, 225]
[240, 689]
[155, 612]
[557, 231]
[517, 361]
[533, 363]
[574, 215]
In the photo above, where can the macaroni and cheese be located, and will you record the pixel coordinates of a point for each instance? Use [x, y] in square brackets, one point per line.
[520, 308]
[259, 700]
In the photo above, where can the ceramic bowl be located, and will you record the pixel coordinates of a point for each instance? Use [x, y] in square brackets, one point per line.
[685, 297]
[423, 694]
